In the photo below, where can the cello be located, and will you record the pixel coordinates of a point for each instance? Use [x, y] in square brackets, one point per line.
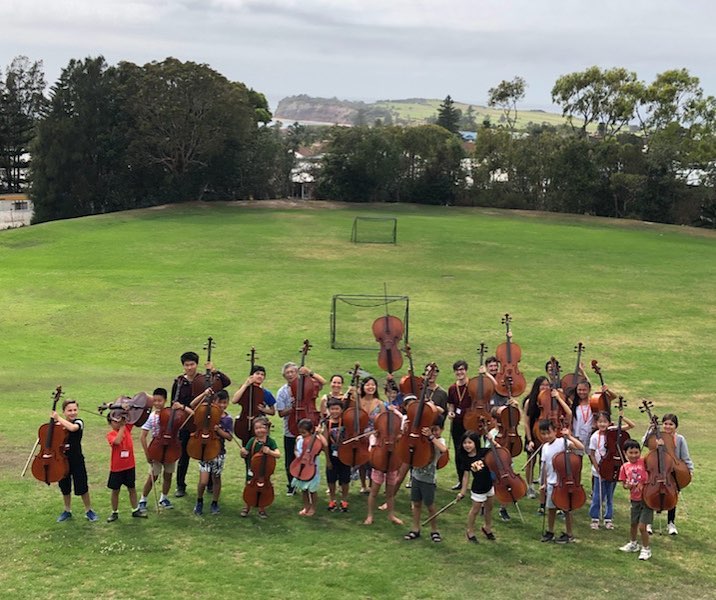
[601, 401]
[614, 440]
[204, 443]
[480, 389]
[682, 475]
[549, 407]
[509, 355]
[165, 448]
[415, 449]
[388, 331]
[509, 418]
[568, 494]
[570, 380]
[384, 456]
[51, 464]
[304, 390]
[410, 383]
[259, 490]
[303, 467]
[509, 486]
[249, 401]
[660, 491]
[135, 410]
[354, 452]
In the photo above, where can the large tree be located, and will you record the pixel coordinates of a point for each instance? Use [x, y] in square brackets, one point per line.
[506, 95]
[449, 115]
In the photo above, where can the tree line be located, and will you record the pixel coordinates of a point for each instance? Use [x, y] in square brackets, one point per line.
[115, 137]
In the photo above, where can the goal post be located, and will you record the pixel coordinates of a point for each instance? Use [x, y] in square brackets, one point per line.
[374, 230]
[352, 317]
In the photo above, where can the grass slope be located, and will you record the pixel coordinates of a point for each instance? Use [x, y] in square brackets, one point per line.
[104, 306]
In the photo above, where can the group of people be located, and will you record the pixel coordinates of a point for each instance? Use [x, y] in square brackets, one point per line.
[583, 431]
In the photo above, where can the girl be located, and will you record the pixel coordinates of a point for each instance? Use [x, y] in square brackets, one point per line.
[310, 487]
[582, 416]
[336, 392]
[471, 461]
[259, 443]
[530, 407]
[603, 491]
[371, 403]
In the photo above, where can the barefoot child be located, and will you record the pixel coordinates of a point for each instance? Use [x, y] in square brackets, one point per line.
[309, 487]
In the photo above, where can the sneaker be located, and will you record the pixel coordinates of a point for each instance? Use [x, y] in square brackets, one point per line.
[457, 486]
[290, 491]
[66, 514]
[608, 524]
[649, 530]
[547, 537]
[344, 506]
[214, 508]
[139, 513]
[632, 546]
[113, 517]
[560, 514]
[671, 530]
[91, 516]
[408, 485]
[564, 539]
[332, 505]
[199, 508]
[166, 503]
[645, 554]
[180, 493]
[595, 524]
[540, 510]
[531, 493]
[504, 515]
[143, 505]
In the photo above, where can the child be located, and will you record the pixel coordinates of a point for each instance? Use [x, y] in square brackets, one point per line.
[423, 483]
[214, 467]
[336, 471]
[259, 443]
[309, 487]
[76, 460]
[471, 458]
[390, 478]
[489, 439]
[551, 446]
[122, 471]
[602, 491]
[152, 424]
[633, 475]
[670, 423]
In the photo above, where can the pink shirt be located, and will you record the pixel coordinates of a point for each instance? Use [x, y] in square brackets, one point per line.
[634, 473]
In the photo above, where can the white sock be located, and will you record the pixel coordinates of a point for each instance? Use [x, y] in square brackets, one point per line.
[143, 499]
[162, 498]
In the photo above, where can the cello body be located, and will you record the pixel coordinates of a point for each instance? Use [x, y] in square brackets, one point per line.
[509, 354]
[415, 449]
[480, 389]
[384, 456]
[509, 486]
[50, 464]
[259, 490]
[166, 447]
[568, 494]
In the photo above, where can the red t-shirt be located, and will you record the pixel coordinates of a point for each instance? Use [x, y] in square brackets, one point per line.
[634, 473]
[123, 453]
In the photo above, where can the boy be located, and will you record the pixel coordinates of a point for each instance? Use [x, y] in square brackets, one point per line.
[152, 424]
[458, 403]
[260, 443]
[78, 471]
[551, 446]
[122, 466]
[184, 389]
[214, 467]
[633, 475]
[424, 482]
[336, 471]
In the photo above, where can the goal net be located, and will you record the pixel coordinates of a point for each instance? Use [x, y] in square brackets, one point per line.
[375, 230]
[352, 318]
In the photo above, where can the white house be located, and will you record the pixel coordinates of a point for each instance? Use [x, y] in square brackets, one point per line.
[15, 210]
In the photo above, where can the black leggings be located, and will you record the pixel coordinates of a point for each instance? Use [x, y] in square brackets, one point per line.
[458, 430]
[289, 445]
[183, 464]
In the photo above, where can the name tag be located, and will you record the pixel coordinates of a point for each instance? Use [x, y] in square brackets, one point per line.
[458, 411]
[334, 453]
[124, 454]
[250, 473]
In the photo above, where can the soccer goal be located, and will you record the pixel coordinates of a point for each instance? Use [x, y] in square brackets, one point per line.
[375, 230]
[352, 318]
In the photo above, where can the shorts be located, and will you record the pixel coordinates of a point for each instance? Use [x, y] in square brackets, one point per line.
[214, 466]
[389, 478]
[641, 513]
[422, 491]
[78, 475]
[548, 498]
[119, 478]
[339, 472]
[475, 497]
[168, 468]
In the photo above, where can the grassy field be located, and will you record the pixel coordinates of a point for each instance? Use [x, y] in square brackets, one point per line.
[105, 305]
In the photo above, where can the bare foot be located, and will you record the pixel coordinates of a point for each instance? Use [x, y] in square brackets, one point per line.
[383, 506]
[394, 519]
[302, 512]
[368, 521]
[310, 512]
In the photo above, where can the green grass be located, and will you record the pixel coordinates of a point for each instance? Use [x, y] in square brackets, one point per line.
[105, 305]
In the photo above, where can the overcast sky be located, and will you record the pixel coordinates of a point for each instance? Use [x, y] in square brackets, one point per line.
[371, 49]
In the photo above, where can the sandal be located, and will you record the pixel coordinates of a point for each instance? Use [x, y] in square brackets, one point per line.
[435, 536]
[472, 538]
[262, 514]
[489, 535]
[244, 512]
[411, 535]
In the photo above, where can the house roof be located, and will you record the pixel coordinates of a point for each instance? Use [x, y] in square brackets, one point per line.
[14, 198]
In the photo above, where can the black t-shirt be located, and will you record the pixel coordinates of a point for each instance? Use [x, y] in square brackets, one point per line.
[74, 440]
[482, 479]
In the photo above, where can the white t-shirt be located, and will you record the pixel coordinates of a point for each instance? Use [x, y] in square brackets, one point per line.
[548, 453]
[597, 444]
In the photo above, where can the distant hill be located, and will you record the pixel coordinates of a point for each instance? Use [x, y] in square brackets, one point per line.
[408, 111]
